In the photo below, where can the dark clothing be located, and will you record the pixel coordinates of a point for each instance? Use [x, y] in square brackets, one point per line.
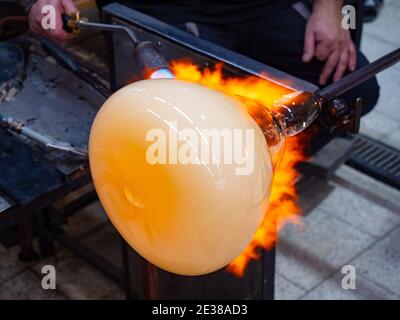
[25, 4]
[269, 31]
[206, 11]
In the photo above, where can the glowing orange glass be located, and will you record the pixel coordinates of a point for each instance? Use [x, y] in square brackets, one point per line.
[187, 218]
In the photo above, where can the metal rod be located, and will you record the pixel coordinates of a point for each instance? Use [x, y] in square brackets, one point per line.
[42, 140]
[108, 27]
[355, 78]
[151, 281]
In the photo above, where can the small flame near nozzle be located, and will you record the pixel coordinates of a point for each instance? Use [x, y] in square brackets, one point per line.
[162, 74]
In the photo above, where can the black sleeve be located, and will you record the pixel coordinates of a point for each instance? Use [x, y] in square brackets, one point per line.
[26, 4]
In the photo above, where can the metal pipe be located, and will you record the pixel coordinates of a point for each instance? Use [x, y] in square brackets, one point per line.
[42, 140]
[108, 27]
[147, 56]
[355, 78]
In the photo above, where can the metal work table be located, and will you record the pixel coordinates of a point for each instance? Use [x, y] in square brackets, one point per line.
[54, 102]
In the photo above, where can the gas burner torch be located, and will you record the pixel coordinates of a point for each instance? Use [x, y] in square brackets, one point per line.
[146, 54]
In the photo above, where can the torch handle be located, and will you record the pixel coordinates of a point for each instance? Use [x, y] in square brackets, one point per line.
[355, 78]
[66, 22]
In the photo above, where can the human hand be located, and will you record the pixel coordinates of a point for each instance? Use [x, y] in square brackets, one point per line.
[326, 40]
[35, 18]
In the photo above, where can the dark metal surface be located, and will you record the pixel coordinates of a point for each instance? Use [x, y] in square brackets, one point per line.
[11, 61]
[148, 58]
[145, 281]
[25, 176]
[56, 103]
[177, 44]
[68, 61]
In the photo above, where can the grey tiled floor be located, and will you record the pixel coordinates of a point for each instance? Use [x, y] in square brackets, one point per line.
[355, 221]
[353, 225]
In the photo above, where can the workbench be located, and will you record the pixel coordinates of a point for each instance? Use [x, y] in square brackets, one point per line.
[56, 103]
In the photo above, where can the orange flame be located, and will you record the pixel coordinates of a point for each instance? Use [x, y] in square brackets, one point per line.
[251, 87]
[283, 206]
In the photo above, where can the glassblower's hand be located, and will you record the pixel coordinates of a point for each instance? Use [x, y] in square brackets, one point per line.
[326, 40]
[36, 16]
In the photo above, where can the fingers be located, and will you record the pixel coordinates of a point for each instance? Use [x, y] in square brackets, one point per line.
[323, 51]
[58, 33]
[330, 65]
[342, 65]
[341, 60]
[352, 57]
[36, 17]
[69, 6]
[309, 45]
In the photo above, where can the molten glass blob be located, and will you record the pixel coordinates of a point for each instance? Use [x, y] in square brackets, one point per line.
[183, 172]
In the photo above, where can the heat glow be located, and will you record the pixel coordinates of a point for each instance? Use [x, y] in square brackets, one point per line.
[283, 206]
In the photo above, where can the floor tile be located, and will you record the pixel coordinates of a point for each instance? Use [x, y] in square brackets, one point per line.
[359, 212]
[77, 280]
[376, 125]
[285, 290]
[388, 104]
[309, 253]
[373, 47]
[9, 263]
[381, 262]
[331, 289]
[393, 139]
[359, 182]
[312, 191]
[85, 220]
[105, 242]
[386, 26]
[27, 286]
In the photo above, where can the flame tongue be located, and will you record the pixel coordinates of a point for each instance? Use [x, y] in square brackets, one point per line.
[283, 206]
